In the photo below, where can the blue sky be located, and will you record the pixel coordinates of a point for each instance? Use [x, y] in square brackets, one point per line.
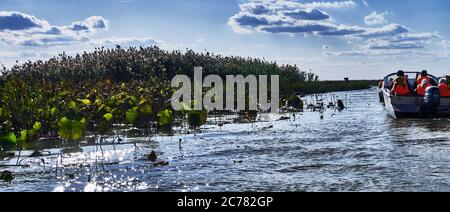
[335, 39]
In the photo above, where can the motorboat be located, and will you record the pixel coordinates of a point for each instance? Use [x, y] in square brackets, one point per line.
[412, 105]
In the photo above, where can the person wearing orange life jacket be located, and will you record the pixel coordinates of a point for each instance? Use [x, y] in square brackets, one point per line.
[444, 88]
[400, 87]
[423, 75]
[421, 89]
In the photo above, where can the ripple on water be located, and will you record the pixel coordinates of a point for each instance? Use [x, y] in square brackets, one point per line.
[359, 149]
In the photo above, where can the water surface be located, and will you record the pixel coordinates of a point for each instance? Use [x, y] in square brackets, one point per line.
[358, 149]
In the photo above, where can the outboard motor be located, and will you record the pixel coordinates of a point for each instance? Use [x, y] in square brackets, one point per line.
[432, 100]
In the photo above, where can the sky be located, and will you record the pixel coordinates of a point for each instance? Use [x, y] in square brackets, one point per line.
[359, 39]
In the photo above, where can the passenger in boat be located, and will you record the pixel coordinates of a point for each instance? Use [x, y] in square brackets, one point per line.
[408, 83]
[444, 88]
[388, 84]
[421, 89]
[423, 75]
[400, 87]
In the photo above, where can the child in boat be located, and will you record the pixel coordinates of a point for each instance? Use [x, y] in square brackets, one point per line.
[444, 88]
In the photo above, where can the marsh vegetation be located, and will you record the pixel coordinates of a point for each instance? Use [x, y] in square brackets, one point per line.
[70, 97]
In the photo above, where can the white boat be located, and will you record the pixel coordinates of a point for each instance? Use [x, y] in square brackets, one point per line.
[413, 106]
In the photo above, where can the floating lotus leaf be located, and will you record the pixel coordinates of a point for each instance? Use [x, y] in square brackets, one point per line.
[85, 101]
[108, 117]
[72, 105]
[165, 117]
[131, 115]
[98, 102]
[54, 111]
[37, 126]
[9, 138]
[145, 110]
[71, 129]
[64, 94]
[105, 123]
[23, 135]
[30, 135]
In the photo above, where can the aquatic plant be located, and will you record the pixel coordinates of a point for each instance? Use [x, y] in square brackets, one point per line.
[92, 93]
[32, 134]
[295, 102]
[71, 129]
[6, 176]
[8, 139]
[165, 120]
[197, 118]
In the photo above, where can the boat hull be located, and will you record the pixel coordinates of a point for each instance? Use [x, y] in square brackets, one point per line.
[412, 106]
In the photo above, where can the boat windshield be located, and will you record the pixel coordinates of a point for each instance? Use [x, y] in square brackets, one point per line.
[411, 76]
[388, 82]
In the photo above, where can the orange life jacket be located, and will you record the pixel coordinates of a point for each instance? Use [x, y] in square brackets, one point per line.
[422, 89]
[421, 78]
[444, 89]
[400, 90]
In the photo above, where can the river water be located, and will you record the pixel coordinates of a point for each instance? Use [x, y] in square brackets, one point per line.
[358, 149]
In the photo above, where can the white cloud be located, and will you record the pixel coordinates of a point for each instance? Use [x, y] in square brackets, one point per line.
[375, 18]
[263, 7]
[286, 16]
[366, 3]
[20, 54]
[402, 41]
[389, 44]
[417, 37]
[15, 21]
[445, 44]
[326, 5]
[91, 24]
[401, 45]
[126, 42]
[20, 29]
[384, 31]
[314, 19]
[291, 17]
[385, 53]
[8, 54]
[30, 38]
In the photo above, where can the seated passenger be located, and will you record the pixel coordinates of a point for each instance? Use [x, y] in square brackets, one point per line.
[389, 84]
[408, 83]
[444, 88]
[422, 87]
[400, 88]
[423, 75]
